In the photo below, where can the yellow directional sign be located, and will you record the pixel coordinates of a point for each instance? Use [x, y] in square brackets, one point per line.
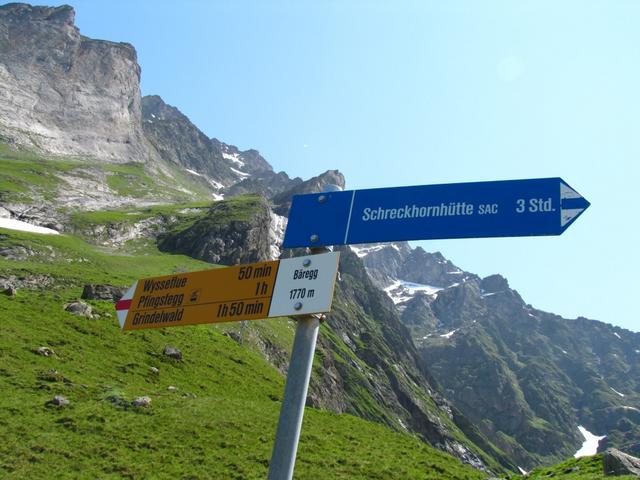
[294, 286]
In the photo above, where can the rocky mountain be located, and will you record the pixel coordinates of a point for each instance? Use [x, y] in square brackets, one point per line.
[413, 342]
[266, 183]
[527, 378]
[179, 141]
[67, 96]
[370, 368]
[63, 93]
[399, 260]
[222, 167]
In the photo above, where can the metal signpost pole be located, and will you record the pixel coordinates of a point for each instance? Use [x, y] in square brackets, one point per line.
[283, 457]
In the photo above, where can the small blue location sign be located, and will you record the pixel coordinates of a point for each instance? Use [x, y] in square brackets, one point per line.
[512, 208]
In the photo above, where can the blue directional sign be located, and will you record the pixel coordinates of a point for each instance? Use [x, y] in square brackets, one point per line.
[512, 208]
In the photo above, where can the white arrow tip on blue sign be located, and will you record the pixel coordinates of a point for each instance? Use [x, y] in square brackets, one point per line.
[573, 204]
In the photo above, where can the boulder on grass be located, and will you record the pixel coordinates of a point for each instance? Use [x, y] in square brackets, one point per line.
[172, 352]
[102, 292]
[79, 308]
[45, 351]
[59, 401]
[10, 291]
[141, 402]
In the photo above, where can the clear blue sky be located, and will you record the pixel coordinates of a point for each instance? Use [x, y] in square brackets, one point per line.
[405, 93]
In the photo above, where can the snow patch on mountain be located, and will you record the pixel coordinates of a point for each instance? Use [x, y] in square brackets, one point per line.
[276, 234]
[617, 392]
[449, 334]
[235, 158]
[13, 224]
[400, 291]
[364, 251]
[590, 444]
[193, 172]
[215, 184]
[239, 173]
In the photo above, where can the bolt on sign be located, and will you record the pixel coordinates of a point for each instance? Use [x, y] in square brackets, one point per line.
[295, 286]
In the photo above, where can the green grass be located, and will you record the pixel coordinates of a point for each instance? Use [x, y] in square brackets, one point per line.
[24, 176]
[131, 180]
[220, 421]
[74, 262]
[87, 224]
[22, 172]
[236, 209]
[585, 468]
[134, 180]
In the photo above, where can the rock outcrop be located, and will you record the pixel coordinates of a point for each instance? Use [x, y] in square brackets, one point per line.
[172, 352]
[327, 180]
[63, 93]
[265, 183]
[431, 269]
[383, 267]
[616, 463]
[233, 232]
[102, 292]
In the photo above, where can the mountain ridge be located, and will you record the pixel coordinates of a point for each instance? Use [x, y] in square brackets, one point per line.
[553, 373]
[415, 342]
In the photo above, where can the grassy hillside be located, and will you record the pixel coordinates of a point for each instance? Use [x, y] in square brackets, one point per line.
[29, 178]
[586, 468]
[217, 420]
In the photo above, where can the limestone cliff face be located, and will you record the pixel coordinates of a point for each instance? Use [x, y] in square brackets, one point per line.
[63, 93]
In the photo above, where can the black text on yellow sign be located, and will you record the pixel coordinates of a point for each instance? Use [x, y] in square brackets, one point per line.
[243, 292]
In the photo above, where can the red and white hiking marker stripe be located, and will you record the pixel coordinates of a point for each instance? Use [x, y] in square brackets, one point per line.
[123, 305]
